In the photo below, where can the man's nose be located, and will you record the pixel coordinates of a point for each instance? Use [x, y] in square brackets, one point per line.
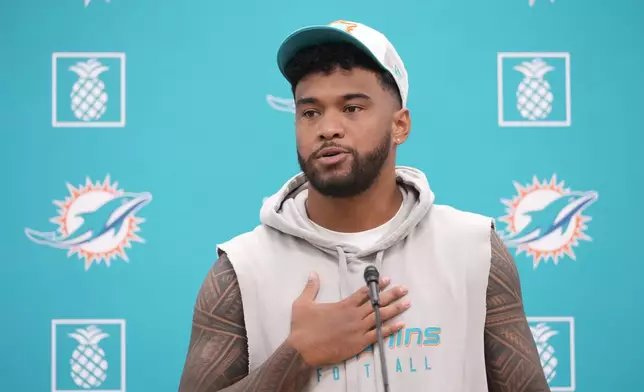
[331, 129]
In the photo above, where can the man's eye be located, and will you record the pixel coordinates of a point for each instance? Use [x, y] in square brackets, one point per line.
[308, 113]
[353, 109]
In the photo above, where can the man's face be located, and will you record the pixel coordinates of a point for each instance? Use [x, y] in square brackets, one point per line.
[344, 123]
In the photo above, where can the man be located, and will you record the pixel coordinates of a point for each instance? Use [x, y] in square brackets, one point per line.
[285, 306]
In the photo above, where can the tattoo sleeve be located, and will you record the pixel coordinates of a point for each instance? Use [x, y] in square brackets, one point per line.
[511, 356]
[217, 358]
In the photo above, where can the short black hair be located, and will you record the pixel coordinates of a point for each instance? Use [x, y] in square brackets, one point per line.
[325, 58]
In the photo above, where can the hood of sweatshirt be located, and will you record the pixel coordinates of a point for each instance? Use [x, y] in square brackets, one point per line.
[285, 211]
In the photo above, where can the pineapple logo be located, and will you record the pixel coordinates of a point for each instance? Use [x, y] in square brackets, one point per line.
[534, 89]
[554, 338]
[541, 334]
[88, 355]
[88, 363]
[97, 221]
[534, 98]
[545, 220]
[89, 1]
[88, 96]
[80, 85]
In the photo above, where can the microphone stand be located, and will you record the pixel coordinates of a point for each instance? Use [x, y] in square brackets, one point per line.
[383, 358]
[371, 277]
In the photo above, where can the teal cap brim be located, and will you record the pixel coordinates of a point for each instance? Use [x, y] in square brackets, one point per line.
[315, 35]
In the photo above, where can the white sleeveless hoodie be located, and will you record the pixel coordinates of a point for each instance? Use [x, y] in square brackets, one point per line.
[441, 254]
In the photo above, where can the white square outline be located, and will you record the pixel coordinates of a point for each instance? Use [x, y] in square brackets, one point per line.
[571, 321]
[499, 65]
[79, 124]
[57, 322]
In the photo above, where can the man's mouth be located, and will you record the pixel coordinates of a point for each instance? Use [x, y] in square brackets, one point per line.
[330, 152]
[331, 156]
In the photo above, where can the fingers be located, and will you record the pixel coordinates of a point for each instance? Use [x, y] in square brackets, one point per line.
[388, 329]
[386, 298]
[388, 312]
[361, 296]
[312, 288]
[384, 282]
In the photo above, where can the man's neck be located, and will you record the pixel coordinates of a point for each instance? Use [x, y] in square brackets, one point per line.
[363, 212]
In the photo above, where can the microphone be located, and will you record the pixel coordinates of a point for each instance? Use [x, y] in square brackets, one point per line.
[371, 277]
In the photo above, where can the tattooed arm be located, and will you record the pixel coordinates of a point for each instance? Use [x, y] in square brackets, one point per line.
[218, 353]
[511, 355]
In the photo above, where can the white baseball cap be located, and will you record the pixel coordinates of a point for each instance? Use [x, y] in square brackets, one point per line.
[365, 38]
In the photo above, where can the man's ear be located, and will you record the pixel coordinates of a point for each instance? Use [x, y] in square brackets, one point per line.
[401, 126]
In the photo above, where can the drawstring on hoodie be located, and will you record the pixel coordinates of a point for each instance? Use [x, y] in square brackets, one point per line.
[344, 273]
[379, 257]
[351, 365]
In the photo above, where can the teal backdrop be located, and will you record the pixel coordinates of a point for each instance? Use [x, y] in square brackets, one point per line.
[166, 123]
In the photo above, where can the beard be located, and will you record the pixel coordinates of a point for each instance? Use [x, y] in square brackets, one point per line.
[363, 171]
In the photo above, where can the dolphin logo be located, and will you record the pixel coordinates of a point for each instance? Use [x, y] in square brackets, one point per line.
[557, 215]
[531, 2]
[108, 218]
[281, 104]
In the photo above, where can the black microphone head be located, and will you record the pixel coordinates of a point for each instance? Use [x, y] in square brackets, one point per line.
[371, 274]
